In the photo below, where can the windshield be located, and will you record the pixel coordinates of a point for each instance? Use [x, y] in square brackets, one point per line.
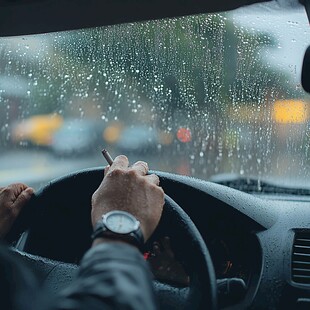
[198, 95]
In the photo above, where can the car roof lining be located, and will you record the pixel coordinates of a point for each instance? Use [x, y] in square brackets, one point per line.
[33, 16]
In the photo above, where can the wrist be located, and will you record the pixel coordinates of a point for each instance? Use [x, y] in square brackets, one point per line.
[119, 225]
[102, 240]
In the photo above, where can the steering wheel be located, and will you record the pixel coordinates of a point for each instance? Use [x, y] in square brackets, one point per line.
[57, 220]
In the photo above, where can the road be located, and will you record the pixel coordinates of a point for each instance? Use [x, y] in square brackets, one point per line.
[37, 168]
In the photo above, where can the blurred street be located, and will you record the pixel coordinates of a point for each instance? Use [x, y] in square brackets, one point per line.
[37, 168]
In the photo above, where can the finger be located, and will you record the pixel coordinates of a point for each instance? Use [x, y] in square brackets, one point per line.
[17, 187]
[120, 162]
[21, 199]
[106, 170]
[153, 178]
[141, 167]
[11, 191]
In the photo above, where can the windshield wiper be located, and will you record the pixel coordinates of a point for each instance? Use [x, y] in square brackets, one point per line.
[255, 185]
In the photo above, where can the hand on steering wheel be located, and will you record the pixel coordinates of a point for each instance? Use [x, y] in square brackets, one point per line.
[50, 207]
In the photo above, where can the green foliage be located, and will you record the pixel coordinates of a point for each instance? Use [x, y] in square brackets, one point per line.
[183, 67]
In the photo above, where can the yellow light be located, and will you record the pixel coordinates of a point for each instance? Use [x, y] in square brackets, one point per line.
[112, 133]
[44, 127]
[38, 129]
[290, 111]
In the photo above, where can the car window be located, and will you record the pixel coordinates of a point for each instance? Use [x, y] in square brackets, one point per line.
[205, 95]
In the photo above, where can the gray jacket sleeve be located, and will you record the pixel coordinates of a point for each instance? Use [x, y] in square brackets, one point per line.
[111, 276]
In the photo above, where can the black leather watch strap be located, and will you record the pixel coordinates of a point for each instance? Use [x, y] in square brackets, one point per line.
[135, 238]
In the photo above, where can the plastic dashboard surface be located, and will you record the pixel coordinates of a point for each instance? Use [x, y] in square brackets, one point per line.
[252, 237]
[249, 237]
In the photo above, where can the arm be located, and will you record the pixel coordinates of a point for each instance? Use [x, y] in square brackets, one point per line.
[113, 274]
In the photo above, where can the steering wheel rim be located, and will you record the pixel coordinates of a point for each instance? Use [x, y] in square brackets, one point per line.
[202, 287]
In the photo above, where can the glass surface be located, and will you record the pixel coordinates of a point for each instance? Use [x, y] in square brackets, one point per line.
[120, 223]
[203, 96]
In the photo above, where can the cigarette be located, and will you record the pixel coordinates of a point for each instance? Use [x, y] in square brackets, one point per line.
[107, 156]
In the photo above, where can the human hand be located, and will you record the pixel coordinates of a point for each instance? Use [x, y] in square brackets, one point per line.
[129, 189]
[12, 199]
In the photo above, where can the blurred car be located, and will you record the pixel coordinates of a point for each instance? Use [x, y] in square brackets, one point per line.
[137, 139]
[36, 130]
[76, 137]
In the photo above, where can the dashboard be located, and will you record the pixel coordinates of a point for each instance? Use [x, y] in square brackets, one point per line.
[262, 239]
[251, 238]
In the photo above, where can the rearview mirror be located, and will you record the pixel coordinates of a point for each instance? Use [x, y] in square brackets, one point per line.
[305, 75]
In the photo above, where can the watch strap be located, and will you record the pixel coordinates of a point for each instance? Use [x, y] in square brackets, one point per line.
[135, 238]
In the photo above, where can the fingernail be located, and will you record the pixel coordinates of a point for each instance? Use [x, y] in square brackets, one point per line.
[29, 191]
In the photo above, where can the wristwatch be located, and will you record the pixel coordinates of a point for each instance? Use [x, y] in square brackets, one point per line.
[119, 225]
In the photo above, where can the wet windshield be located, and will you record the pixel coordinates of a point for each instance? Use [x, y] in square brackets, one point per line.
[198, 95]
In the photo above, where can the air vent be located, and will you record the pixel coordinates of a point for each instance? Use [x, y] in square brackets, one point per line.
[301, 258]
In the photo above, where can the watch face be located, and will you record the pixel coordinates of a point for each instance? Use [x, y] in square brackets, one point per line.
[120, 222]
